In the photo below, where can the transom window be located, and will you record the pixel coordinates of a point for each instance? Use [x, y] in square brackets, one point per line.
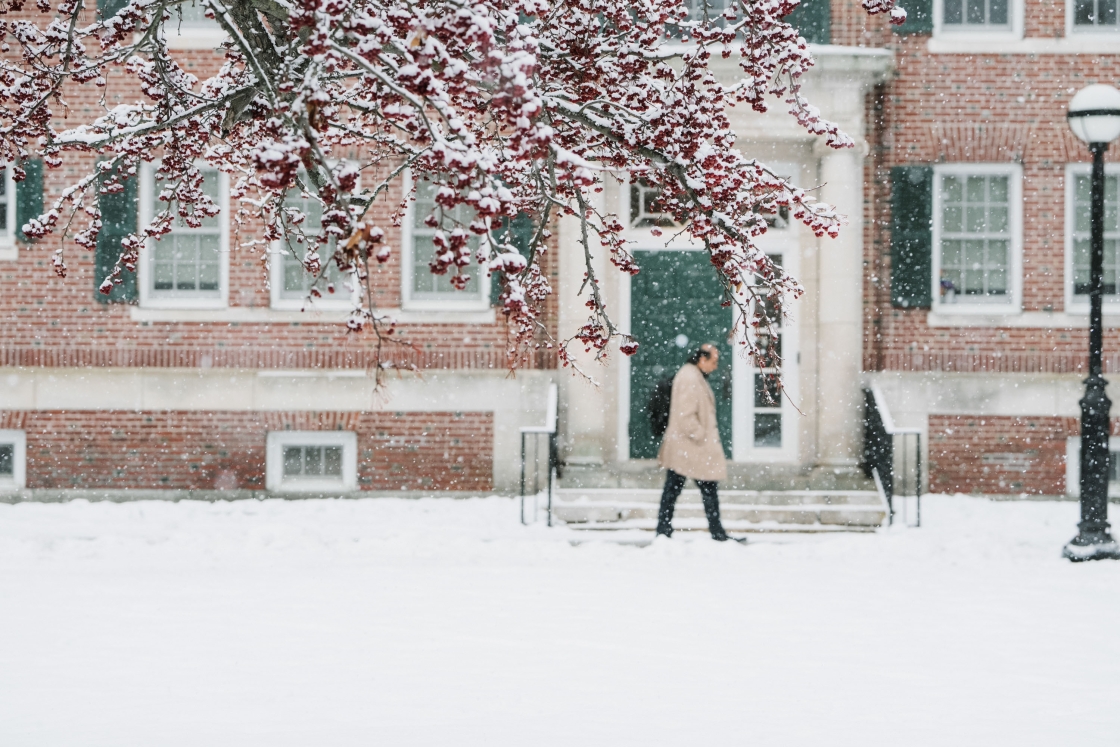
[645, 210]
[974, 244]
[187, 262]
[1080, 236]
[423, 285]
[1098, 15]
[975, 13]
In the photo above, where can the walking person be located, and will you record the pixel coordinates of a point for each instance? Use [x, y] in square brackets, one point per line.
[691, 447]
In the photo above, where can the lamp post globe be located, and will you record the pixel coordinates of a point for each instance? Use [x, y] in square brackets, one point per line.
[1094, 117]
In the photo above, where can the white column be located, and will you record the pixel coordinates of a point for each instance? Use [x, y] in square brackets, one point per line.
[839, 397]
[585, 407]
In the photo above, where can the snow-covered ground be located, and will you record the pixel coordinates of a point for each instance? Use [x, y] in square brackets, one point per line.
[443, 622]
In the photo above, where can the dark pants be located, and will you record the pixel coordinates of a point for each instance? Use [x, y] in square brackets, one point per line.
[674, 483]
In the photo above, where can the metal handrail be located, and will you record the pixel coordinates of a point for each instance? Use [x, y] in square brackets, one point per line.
[548, 429]
[879, 433]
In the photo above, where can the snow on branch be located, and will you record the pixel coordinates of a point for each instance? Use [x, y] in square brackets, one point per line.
[511, 110]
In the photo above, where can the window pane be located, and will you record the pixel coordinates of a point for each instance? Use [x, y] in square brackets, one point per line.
[997, 12]
[163, 274]
[332, 461]
[998, 250]
[768, 430]
[766, 391]
[997, 219]
[997, 189]
[7, 459]
[975, 11]
[1083, 12]
[295, 277]
[1107, 10]
[293, 461]
[1081, 266]
[953, 11]
[951, 253]
[951, 189]
[974, 255]
[974, 219]
[1112, 203]
[951, 219]
[313, 462]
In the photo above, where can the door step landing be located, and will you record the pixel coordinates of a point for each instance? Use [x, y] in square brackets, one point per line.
[741, 510]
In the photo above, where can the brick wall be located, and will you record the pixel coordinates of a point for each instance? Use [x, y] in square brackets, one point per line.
[226, 450]
[999, 455]
[982, 108]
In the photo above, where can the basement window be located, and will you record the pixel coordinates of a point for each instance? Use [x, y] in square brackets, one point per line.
[312, 461]
[13, 459]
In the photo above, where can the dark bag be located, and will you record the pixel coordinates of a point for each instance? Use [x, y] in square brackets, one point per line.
[658, 407]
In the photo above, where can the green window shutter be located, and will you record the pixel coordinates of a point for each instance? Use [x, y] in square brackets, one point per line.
[521, 231]
[109, 8]
[29, 195]
[118, 219]
[813, 20]
[912, 236]
[919, 18]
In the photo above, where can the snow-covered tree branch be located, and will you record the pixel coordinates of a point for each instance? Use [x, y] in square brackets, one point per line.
[510, 109]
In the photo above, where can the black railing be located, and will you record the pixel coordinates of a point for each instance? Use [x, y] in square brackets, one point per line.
[548, 430]
[892, 456]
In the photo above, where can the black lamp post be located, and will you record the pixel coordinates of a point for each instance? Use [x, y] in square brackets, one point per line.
[1094, 116]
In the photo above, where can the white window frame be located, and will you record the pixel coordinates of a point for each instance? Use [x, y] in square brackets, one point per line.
[274, 461]
[18, 480]
[1073, 466]
[1074, 303]
[147, 209]
[8, 248]
[482, 303]
[340, 300]
[1014, 172]
[1072, 29]
[1014, 29]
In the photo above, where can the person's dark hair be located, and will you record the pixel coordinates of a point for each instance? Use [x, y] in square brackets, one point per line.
[704, 351]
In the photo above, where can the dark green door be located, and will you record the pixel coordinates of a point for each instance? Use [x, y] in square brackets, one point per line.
[674, 307]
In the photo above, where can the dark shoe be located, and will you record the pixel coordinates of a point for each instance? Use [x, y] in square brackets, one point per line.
[724, 538]
[666, 532]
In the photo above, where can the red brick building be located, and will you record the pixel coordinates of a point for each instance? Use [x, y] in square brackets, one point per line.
[209, 369]
[976, 306]
[956, 290]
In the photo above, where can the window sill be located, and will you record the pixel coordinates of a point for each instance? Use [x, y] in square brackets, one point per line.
[1024, 320]
[322, 305]
[1086, 43]
[9, 251]
[265, 315]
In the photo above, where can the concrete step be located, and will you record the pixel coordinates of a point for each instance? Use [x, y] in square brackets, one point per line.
[734, 527]
[806, 510]
[645, 474]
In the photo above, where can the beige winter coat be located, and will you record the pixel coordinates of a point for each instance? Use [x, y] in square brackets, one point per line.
[691, 446]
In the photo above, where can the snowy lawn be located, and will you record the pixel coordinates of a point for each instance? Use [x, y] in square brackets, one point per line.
[442, 622]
